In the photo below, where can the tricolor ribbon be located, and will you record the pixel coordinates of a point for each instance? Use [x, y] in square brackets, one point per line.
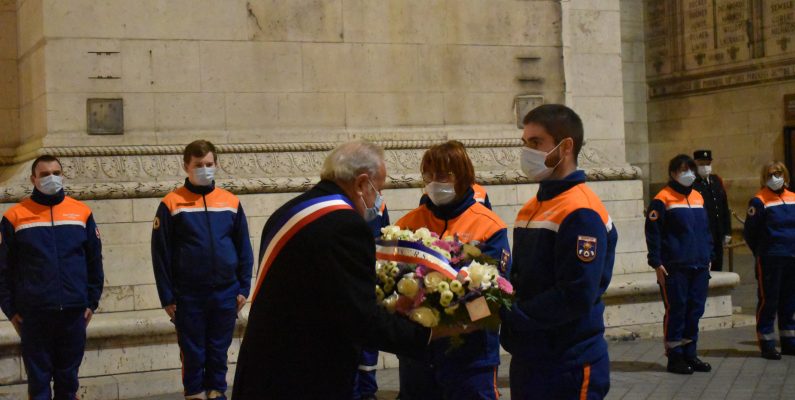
[291, 223]
[404, 251]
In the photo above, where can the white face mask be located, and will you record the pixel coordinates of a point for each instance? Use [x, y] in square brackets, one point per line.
[203, 176]
[704, 171]
[775, 183]
[440, 193]
[686, 178]
[370, 213]
[50, 184]
[533, 163]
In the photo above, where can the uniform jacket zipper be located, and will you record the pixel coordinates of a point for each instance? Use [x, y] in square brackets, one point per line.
[210, 232]
[57, 259]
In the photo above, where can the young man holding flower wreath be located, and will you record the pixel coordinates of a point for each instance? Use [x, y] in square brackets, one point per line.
[564, 246]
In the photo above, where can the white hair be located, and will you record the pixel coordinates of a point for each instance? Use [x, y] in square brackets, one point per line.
[351, 159]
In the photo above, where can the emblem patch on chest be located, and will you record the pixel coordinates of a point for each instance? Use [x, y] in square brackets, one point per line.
[751, 211]
[653, 216]
[586, 248]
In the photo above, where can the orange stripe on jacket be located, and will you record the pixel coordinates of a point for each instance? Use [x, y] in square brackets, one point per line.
[30, 213]
[770, 198]
[183, 199]
[480, 193]
[476, 223]
[673, 199]
[550, 214]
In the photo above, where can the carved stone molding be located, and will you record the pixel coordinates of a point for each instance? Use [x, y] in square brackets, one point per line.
[128, 190]
[153, 171]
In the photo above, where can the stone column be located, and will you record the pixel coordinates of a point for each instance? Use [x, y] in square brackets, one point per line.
[591, 37]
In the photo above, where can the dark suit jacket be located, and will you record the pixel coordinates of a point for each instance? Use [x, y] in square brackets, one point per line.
[315, 309]
[717, 205]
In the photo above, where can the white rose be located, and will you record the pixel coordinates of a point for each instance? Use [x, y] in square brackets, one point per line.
[442, 286]
[423, 234]
[390, 232]
[425, 316]
[446, 297]
[432, 280]
[390, 302]
[408, 286]
[477, 273]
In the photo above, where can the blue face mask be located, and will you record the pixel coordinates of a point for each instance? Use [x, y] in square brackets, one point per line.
[371, 213]
[203, 176]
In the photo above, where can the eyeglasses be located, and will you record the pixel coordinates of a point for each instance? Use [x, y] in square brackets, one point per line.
[438, 177]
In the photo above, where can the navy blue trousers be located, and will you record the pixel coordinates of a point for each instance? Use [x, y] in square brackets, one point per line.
[53, 343]
[684, 295]
[776, 297]
[530, 381]
[419, 380]
[205, 324]
[364, 383]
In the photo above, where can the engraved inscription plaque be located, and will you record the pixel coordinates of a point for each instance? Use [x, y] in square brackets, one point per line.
[693, 46]
[105, 116]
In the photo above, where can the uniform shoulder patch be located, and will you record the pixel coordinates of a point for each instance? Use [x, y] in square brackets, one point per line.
[654, 215]
[156, 223]
[586, 248]
[751, 211]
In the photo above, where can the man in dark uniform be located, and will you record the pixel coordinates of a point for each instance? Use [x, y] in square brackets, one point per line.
[314, 306]
[51, 279]
[716, 203]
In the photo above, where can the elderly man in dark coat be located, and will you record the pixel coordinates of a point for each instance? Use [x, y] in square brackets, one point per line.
[314, 303]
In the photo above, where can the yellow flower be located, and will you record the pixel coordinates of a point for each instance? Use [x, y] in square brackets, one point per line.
[432, 280]
[408, 286]
[425, 316]
[445, 298]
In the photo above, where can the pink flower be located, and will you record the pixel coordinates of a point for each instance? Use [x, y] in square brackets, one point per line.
[404, 305]
[419, 298]
[420, 272]
[446, 246]
[504, 285]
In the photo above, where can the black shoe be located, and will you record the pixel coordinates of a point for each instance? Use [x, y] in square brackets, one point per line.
[678, 365]
[787, 351]
[771, 354]
[369, 397]
[698, 365]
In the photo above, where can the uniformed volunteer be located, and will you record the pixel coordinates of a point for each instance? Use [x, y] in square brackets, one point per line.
[679, 246]
[564, 247]
[470, 371]
[51, 280]
[202, 261]
[716, 203]
[770, 233]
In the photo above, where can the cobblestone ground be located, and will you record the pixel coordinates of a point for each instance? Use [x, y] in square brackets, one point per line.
[638, 372]
[638, 366]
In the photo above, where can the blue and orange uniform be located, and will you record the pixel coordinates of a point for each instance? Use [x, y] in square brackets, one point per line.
[481, 196]
[470, 371]
[202, 261]
[50, 273]
[770, 233]
[365, 385]
[678, 237]
[564, 249]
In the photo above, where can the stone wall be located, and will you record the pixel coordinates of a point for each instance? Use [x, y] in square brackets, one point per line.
[633, 61]
[264, 71]
[9, 99]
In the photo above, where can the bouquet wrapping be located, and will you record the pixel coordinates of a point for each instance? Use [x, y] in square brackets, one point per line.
[438, 281]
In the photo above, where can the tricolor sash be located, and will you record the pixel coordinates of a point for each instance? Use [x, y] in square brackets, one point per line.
[414, 253]
[293, 221]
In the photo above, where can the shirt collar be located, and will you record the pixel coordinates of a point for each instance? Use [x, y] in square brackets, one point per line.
[549, 189]
[203, 190]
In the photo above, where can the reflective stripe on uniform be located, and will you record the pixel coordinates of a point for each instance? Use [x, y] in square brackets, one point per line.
[199, 209]
[767, 336]
[787, 333]
[367, 368]
[56, 223]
